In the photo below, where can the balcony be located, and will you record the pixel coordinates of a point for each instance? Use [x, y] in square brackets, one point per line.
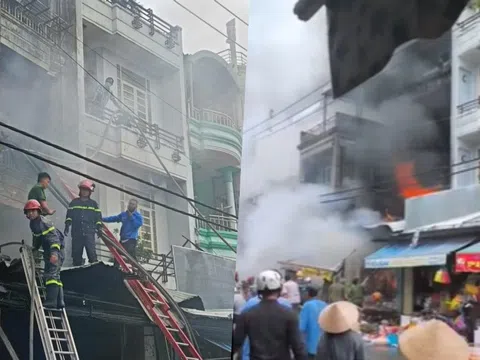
[467, 122]
[220, 223]
[136, 25]
[240, 62]
[213, 130]
[467, 36]
[32, 30]
[117, 134]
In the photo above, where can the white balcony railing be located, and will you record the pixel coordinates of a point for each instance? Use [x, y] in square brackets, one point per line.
[142, 15]
[220, 222]
[126, 119]
[35, 16]
[240, 61]
[215, 117]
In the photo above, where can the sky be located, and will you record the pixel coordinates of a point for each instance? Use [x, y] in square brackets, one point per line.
[196, 34]
[287, 59]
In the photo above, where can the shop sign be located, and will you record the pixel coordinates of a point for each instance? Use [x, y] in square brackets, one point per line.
[467, 263]
[413, 261]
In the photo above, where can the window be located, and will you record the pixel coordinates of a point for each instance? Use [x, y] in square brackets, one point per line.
[147, 209]
[134, 90]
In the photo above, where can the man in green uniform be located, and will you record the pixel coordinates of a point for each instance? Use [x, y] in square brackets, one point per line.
[38, 192]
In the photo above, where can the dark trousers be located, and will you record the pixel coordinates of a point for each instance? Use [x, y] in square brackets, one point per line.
[79, 242]
[51, 274]
[311, 357]
[131, 247]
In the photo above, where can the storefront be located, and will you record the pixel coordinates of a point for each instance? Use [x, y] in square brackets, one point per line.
[468, 260]
[418, 269]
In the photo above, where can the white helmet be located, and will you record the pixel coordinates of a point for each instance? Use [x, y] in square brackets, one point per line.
[269, 280]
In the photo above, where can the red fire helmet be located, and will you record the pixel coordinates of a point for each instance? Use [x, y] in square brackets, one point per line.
[32, 205]
[86, 184]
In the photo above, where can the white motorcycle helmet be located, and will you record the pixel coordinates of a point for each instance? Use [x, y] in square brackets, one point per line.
[269, 280]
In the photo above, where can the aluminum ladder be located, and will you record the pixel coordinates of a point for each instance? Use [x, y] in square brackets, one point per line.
[53, 325]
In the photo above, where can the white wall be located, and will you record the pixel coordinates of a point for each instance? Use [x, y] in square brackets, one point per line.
[463, 124]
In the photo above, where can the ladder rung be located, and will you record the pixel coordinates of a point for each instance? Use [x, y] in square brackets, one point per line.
[182, 344]
[58, 330]
[190, 358]
[53, 310]
[162, 315]
[54, 317]
[156, 302]
[58, 339]
[64, 352]
[172, 329]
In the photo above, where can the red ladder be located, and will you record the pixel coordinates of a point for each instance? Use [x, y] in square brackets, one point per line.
[152, 301]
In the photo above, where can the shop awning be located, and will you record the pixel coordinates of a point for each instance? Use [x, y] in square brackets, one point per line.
[468, 259]
[426, 253]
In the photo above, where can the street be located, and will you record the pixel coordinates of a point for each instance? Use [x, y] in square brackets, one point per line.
[382, 353]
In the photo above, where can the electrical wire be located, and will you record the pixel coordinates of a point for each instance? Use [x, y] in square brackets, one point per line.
[396, 65]
[107, 184]
[231, 12]
[208, 24]
[253, 127]
[107, 167]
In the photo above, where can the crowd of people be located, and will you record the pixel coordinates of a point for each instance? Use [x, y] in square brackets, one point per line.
[274, 322]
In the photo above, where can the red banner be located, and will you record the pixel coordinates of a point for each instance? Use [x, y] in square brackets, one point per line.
[467, 263]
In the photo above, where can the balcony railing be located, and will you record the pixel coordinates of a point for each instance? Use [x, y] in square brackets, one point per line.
[215, 117]
[226, 55]
[126, 119]
[220, 222]
[324, 126]
[468, 23]
[35, 16]
[468, 107]
[141, 16]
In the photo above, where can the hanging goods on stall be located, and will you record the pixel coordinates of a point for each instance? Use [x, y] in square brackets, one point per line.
[442, 277]
[53, 325]
[154, 304]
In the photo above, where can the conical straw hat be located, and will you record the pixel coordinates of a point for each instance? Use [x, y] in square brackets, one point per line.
[433, 340]
[339, 317]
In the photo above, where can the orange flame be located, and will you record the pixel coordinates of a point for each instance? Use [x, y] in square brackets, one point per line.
[408, 185]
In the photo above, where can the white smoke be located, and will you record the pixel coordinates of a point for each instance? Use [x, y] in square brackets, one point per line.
[293, 224]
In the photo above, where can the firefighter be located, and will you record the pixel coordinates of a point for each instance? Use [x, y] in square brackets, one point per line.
[85, 218]
[51, 240]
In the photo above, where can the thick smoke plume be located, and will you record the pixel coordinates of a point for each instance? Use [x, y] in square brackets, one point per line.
[291, 223]
[281, 219]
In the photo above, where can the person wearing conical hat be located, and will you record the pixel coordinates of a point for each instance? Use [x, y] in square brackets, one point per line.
[433, 340]
[340, 340]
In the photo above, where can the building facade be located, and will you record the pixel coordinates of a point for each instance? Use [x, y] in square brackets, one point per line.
[171, 119]
[215, 95]
[465, 143]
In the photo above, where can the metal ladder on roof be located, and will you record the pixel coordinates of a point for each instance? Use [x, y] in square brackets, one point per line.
[53, 325]
[154, 304]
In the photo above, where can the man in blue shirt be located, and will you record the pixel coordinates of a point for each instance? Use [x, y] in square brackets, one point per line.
[131, 221]
[248, 305]
[309, 321]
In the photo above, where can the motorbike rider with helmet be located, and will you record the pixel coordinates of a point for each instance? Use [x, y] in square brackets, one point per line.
[272, 328]
[85, 219]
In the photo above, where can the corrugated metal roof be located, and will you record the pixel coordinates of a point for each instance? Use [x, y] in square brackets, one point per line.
[218, 314]
[394, 226]
[180, 296]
